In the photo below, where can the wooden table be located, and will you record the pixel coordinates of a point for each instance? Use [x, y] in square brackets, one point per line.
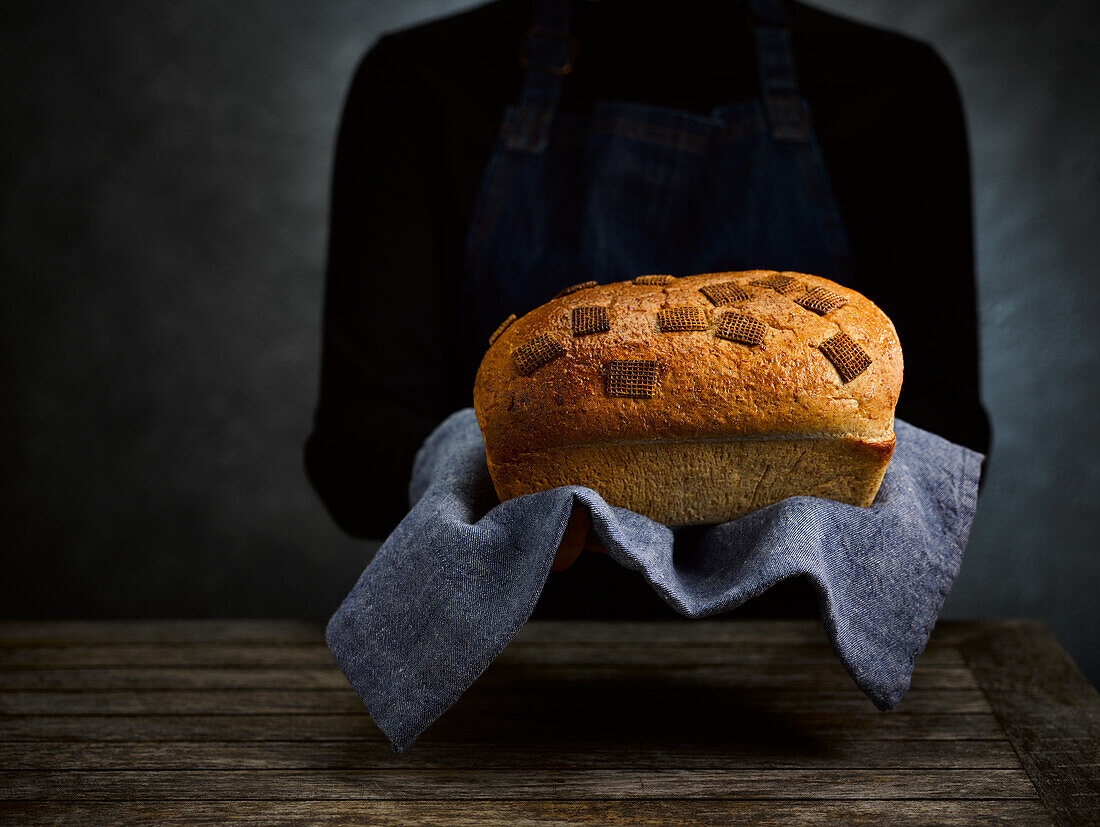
[677, 722]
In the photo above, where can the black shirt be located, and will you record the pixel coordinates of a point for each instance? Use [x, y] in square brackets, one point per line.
[419, 124]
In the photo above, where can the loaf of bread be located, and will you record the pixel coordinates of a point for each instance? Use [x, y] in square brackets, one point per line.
[694, 400]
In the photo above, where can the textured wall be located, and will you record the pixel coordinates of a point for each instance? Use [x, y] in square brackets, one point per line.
[1030, 78]
[164, 181]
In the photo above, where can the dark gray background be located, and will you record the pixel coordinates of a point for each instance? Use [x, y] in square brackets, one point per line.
[164, 183]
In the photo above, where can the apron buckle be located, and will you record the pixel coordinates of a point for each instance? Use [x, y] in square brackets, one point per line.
[560, 69]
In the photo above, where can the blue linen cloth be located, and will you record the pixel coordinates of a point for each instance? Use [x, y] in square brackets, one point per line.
[460, 575]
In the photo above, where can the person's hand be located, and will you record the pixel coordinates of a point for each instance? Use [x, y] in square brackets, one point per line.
[578, 537]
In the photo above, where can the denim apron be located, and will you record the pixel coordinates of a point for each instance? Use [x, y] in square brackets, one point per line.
[634, 189]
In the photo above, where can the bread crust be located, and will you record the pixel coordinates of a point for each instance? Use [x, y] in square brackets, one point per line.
[723, 415]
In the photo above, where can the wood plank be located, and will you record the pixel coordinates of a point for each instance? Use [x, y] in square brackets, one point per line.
[477, 782]
[487, 698]
[301, 755]
[509, 726]
[1049, 711]
[203, 655]
[736, 652]
[955, 632]
[771, 631]
[327, 677]
[675, 631]
[85, 632]
[508, 813]
[742, 717]
[66, 632]
[810, 678]
[156, 655]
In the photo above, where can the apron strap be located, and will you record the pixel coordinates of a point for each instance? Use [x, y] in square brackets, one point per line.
[787, 117]
[547, 51]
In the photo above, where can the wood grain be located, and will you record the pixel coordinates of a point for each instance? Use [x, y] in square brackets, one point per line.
[511, 725]
[839, 753]
[68, 632]
[486, 699]
[508, 813]
[476, 782]
[808, 678]
[578, 722]
[1049, 711]
[569, 654]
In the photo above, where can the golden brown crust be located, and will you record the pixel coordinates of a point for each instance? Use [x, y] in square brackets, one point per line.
[709, 387]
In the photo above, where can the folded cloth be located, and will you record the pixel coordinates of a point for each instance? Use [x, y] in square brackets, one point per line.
[458, 578]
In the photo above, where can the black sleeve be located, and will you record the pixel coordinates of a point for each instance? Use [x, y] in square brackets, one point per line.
[381, 366]
[931, 293]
